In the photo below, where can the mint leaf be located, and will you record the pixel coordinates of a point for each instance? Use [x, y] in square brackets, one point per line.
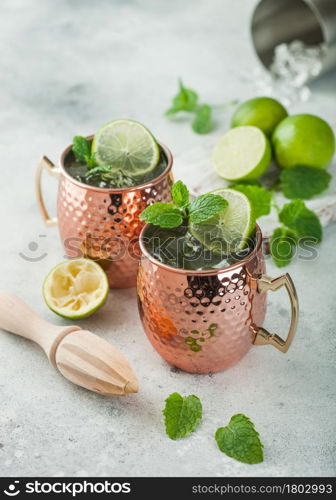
[202, 123]
[301, 220]
[240, 440]
[91, 161]
[304, 182]
[181, 415]
[162, 214]
[185, 100]
[81, 149]
[206, 206]
[99, 170]
[180, 194]
[282, 246]
[259, 197]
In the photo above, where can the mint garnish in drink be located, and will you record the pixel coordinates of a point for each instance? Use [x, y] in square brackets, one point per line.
[182, 415]
[213, 230]
[170, 215]
[123, 153]
[81, 148]
[240, 440]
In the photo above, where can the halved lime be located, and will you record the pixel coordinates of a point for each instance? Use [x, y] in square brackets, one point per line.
[126, 145]
[242, 153]
[76, 288]
[229, 231]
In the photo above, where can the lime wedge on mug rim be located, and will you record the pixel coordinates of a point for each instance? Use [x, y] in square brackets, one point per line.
[126, 145]
[76, 288]
[229, 231]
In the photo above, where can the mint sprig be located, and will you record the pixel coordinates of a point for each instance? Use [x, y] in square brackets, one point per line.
[180, 194]
[205, 207]
[81, 148]
[298, 223]
[282, 246]
[202, 123]
[304, 182]
[297, 217]
[186, 100]
[165, 215]
[182, 415]
[170, 215]
[240, 440]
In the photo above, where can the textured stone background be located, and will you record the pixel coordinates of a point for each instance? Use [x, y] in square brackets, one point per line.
[66, 67]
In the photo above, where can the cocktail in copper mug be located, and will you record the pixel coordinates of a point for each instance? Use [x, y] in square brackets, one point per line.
[103, 223]
[205, 321]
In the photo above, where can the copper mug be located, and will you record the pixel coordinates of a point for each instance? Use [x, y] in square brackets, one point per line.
[102, 223]
[205, 321]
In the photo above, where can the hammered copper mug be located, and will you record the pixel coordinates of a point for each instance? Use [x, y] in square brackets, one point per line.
[102, 223]
[205, 321]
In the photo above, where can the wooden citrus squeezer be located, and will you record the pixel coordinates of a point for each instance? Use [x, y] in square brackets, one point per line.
[82, 357]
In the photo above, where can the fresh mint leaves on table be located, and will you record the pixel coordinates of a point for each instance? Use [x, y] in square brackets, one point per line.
[282, 245]
[298, 222]
[169, 215]
[304, 182]
[81, 148]
[259, 197]
[182, 415]
[305, 224]
[187, 100]
[240, 440]
[202, 123]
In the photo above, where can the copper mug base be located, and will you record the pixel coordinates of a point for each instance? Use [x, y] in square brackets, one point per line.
[101, 223]
[206, 321]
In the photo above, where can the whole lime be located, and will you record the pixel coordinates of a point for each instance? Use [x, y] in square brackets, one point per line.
[262, 112]
[303, 140]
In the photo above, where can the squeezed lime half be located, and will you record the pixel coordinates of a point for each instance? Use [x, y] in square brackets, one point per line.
[76, 288]
[126, 145]
[230, 231]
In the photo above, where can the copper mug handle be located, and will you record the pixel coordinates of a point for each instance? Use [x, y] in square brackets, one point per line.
[262, 336]
[45, 164]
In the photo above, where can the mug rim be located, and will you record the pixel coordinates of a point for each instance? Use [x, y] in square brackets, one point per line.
[145, 185]
[205, 272]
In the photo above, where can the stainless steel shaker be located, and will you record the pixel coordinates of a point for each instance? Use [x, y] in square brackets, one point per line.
[283, 21]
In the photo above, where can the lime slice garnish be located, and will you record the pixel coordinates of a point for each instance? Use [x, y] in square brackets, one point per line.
[229, 231]
[126, 145]
[76, 288]
[242, 153]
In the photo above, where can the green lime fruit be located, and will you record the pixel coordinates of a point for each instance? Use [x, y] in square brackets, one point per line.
[262, 112]
[76, 288]
[229, 231]
[303, 140]
[126, 145]
[242, 153]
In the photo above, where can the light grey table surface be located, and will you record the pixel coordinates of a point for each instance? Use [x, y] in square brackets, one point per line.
[67, 67]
